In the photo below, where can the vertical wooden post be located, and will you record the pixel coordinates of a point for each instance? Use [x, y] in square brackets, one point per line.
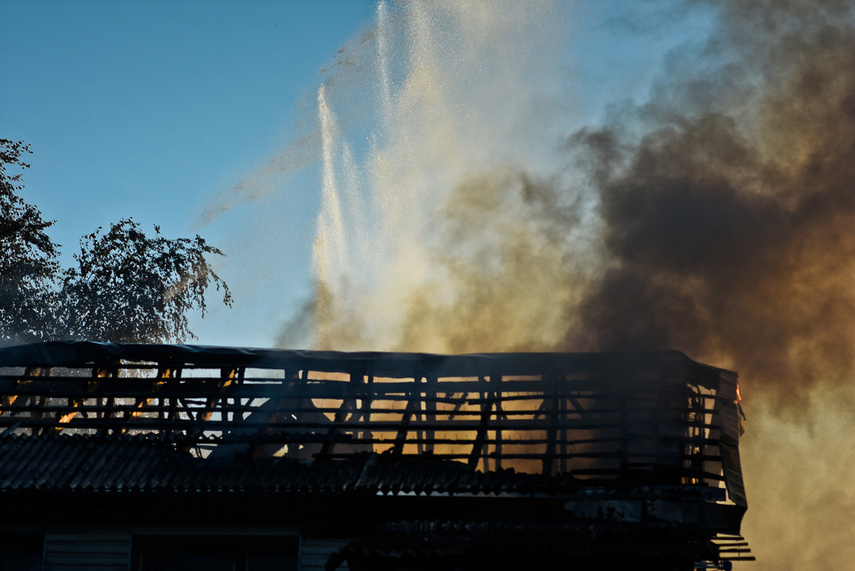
[624, 436]
[365, 409]
[479, 446]
[427, 405]
[496, 382]
[561, 433]
[551, 409]
[401, 437]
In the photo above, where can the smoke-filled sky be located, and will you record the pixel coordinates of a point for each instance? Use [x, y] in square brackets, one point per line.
[169, 111]
[492, 176]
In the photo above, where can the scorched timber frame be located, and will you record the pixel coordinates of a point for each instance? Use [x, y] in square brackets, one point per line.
[629, 421]
[592, 415]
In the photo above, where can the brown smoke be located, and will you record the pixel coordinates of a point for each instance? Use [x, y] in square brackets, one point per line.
[507, 284]
[718, 219]
[728, 221]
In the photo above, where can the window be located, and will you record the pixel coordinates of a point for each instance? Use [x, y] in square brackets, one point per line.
[215, 553]
[21, 551]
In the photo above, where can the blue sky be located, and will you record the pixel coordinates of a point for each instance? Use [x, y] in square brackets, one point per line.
[145, 109]
[153, 109]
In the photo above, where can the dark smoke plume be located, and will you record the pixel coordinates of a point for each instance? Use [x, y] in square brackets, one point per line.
[729, 214]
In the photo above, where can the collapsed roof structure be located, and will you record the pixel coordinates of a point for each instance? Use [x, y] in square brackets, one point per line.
[164, 456]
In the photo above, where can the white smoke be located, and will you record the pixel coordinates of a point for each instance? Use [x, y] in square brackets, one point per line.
[458, 101]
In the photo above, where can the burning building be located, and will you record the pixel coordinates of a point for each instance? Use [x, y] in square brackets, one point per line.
[142, 457]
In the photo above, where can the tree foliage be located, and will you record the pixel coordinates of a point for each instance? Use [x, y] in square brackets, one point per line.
[126, 287]
[28, 264]
[130, 288]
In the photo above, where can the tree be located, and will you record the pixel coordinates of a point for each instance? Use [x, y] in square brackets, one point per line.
[126, 287]
[28, 257]
[129, 288]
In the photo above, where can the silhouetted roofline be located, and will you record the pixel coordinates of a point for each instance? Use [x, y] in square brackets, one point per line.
[388, 364]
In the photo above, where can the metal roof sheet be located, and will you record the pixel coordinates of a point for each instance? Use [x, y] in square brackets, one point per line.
[125, 463]
[80, 463]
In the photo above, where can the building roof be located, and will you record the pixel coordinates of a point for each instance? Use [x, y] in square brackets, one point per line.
[126, 464]
[380, 364]
[590, 415]
[636, 442]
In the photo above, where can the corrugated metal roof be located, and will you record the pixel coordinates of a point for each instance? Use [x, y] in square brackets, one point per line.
[592, 414]
[124, 466]
[82, 428]
[139, 463]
